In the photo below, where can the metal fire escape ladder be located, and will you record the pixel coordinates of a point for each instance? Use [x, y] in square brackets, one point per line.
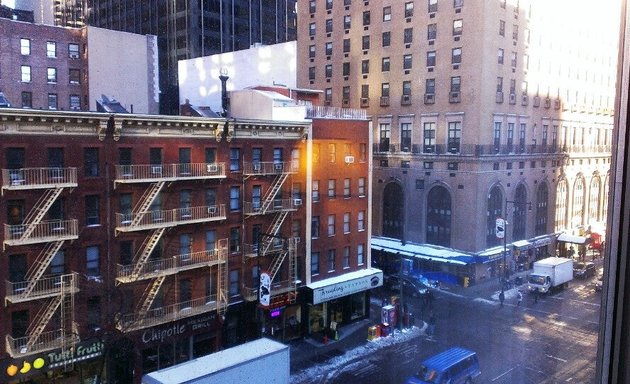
[147, 247]
[222, 296]
[36, 214]
[273, 230]
[36, 271]
[292, 270]
[41, 321]
[271, 193]
[145, 202]
[289, 251]
[277, 263]
[149, 296]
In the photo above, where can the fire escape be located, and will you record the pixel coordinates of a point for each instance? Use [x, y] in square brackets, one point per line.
[154, 272]
[282, 248]
[57, 291]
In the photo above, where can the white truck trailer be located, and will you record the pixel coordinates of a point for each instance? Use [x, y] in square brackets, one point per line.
[261, 361]
[550, 273]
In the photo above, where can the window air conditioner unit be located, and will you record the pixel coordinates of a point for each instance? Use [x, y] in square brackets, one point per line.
[74, 55]
[256, 167]
[429, 98]
[212, 168]
[278, 166]
[405, 100]
[212, 210]
[156, 169]
[524, 100]
[384, 101]
[297, 202]
[348, 159]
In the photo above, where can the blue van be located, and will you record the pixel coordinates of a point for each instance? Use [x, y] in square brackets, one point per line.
[453, 366]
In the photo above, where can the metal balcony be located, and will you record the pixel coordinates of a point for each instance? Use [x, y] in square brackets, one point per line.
[56, 339]
[17, 292]
[250, 293]
[148, 173]
[168, 218]
[278, 205]
[169, 266]
[263, 168]
[38, 178]
[43, 232]
[134, 321]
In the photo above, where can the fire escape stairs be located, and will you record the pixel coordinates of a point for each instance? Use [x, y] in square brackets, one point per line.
[273, 230]
[222, 297]
[145, 202]
[273, 191]
[39, 267]
[146, 249]
[36, 215]
[149, 295]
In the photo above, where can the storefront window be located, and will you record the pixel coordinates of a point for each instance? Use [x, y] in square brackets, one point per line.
[316, 318]
[357, 306]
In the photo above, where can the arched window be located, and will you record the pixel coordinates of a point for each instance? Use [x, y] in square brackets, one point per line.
[520, 213]
[439, 217]
[561, 205]
[542, 200]
[606, 190]
[593, 203]
[495, 209]
[393, 205]
[577, 217]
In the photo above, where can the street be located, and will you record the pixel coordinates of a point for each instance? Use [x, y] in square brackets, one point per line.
[548, 341]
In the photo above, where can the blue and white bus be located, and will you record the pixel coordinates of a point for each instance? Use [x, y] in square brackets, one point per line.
[454, 366]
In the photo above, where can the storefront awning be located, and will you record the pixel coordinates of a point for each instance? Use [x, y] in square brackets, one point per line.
[346, 284]
[566, 238]
[521, 244]
[422, 251]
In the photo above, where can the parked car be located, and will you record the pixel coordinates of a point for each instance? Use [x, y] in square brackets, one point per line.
[583, 270]
[410, 288]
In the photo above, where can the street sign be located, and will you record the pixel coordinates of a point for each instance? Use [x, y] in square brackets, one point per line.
[499, 228]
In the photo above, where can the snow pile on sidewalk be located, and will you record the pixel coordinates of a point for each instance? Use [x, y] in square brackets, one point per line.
[331, 365]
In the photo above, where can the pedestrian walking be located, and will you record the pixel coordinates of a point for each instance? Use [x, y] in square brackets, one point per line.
[536, 295]
[501, 297]
[431, 324]
[519, 298]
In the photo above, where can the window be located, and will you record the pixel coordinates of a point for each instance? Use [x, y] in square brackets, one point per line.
[515, 32]
[366, 18]
[25, 46]
[314, 263]
[94, 312]
[431, 31]
[499, 84]
[75, 76]
[185, 245]
[328, 70]
[345, 69]
[346, 222]
[385, 64]
[385, 90]
[362, 152]
[235, 239]
[311, 29]
[346, 22]
[90, 161]
[51, 75]
[332, 255]
[456, 83]
[234, 283]
[346, 188]
[429, 137]
[346, 257]
[332, 152]
[25, 71]
[52, 101]
[458, 3]
[235, 159]
[311, 51]
[386, 39]
[387, 13]
[500, 56]
[513, 59]
[361, 187]
[74, 102]
[235, 198]
[331, 188]
[365, 91]
[458, 27]
[329, 4]
[365, 42]
[328, 48]
[409, 9]
[331, 225]
[361, 221]
[315, 191]
[329, 25]
[408, 35]
[430, 86]
[431, 59]
[433, 6]
[312, 6]
[58, 263]
[345, 92]
[27, 99]
[497, 135]
[315, 227]
[328, 94]
[346, 45]
[405, 137]
[456, 56]
[365, 67]
[501, 28]
[454, 136]
[406, 88]
[92, 210]
[360, 254]
[51, 49]
[407, 61]
[92, 265]
[311, 73]
[73, 51]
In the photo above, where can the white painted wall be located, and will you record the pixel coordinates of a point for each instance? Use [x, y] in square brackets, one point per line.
[264, 65]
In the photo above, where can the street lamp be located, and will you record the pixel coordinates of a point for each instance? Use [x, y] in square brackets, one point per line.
[504, 225]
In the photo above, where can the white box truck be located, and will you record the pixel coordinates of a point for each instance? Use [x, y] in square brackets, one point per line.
[550, 273]
[261, 361]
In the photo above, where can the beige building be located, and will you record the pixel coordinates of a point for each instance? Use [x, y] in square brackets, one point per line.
[481, 109]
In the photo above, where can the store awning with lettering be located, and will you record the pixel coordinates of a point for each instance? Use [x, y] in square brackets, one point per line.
[346, 284]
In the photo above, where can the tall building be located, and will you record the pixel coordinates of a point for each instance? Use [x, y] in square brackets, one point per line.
[185, 29]
[479, 111]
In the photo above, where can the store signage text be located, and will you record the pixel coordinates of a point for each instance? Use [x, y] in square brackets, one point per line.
[345, 288]
[81, 352]
[177, 329]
